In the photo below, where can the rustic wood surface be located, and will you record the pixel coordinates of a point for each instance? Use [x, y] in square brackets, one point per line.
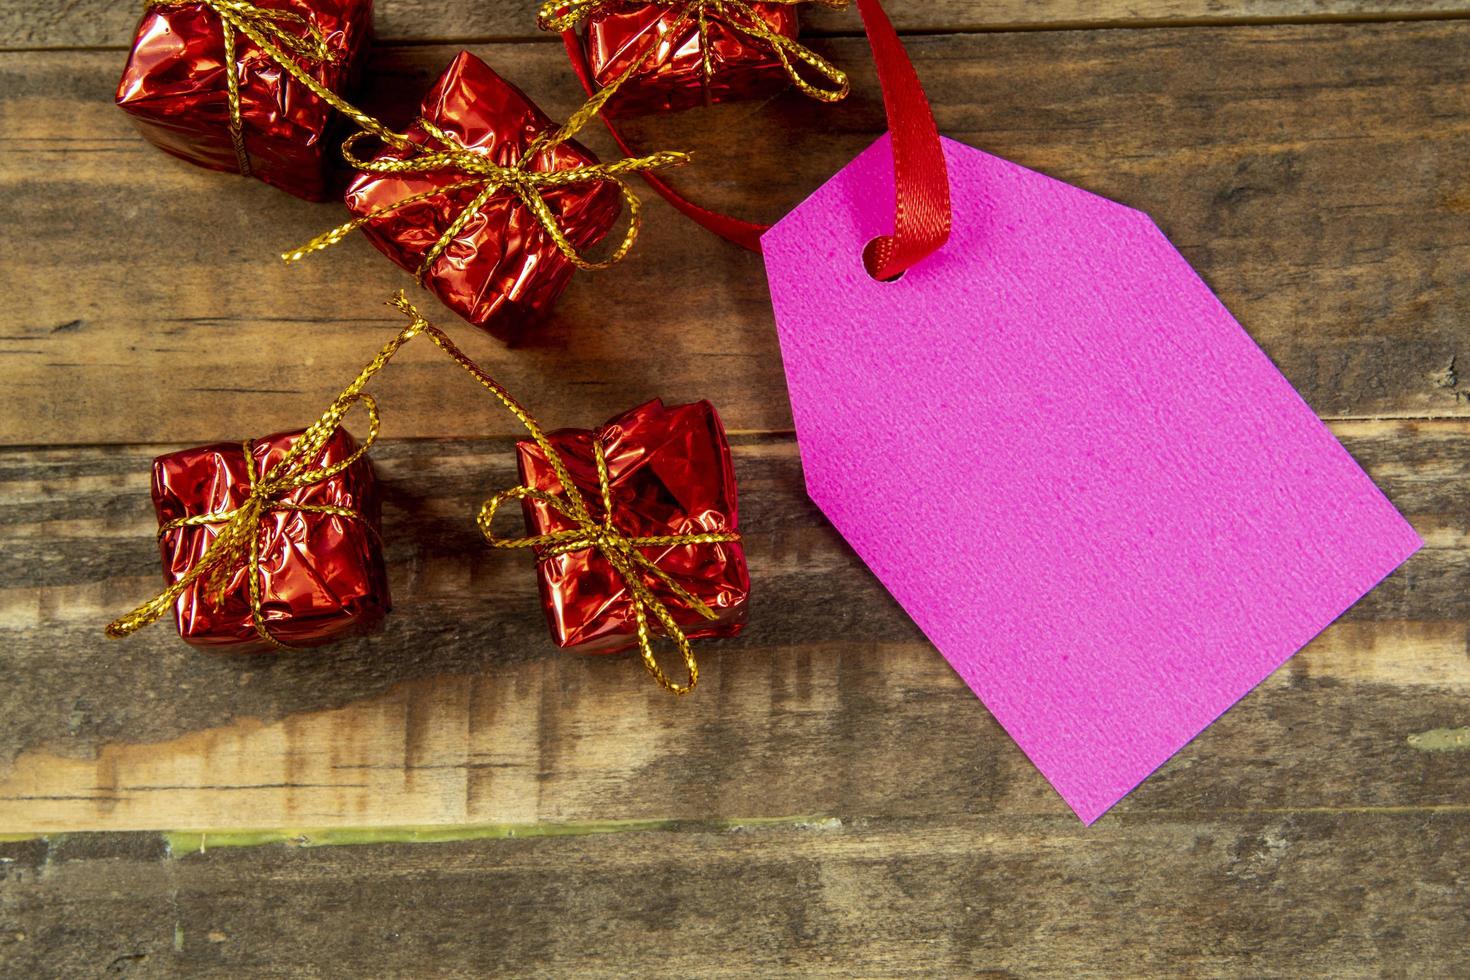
[1326, 200]
[453, 797]
[1314, 173]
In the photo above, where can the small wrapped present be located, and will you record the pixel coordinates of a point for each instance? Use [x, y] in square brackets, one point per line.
[315, 566]
[245, 87]
[274, 542]
[487, 201]
[676, 54]
[636, 531]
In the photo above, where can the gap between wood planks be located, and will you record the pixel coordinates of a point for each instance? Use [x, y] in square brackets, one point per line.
[754, 435]
[999, 27]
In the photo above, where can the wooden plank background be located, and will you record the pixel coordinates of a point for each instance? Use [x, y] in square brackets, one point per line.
[452, 796]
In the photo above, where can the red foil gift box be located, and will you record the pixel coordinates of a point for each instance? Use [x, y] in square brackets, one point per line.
[176, 86]
[682, 65]
[501, 271]
[669, 473]
[320, 575]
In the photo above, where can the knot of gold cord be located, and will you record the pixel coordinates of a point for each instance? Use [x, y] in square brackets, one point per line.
[739, 16]
[286, 37]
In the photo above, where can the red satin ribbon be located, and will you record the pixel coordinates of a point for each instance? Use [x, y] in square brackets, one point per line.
[921, 219]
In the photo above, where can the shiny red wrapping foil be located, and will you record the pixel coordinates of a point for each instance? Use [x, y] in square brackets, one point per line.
[321, 575]
[502, 271]
[673, 76]
[670, 473]
[175, 87]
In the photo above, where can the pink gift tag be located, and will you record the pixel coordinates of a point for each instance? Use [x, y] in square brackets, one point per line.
[1066, 460]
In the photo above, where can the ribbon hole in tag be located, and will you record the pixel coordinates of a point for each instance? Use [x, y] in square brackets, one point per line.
[871, 260]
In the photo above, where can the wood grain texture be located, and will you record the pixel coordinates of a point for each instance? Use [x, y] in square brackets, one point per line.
[1271, 895]
[461, 711]
[100, 23]
[1314, 174]
[832, 801]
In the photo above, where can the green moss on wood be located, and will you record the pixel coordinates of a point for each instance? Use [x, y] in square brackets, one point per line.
[1442, 740]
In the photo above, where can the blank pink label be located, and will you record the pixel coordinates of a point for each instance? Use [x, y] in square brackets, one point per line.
[1066, 460]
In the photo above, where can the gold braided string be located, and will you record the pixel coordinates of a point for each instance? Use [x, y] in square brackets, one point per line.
[622, 552]
[237, 544]
[277, 33]
[739, 16]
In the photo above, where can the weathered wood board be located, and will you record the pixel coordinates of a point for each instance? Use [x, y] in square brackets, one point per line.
[1314, 174]
[1343, 895]
[461, 711]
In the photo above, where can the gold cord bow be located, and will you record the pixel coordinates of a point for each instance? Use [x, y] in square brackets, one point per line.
[277, 34]
[622, 552]
[564, 15]
[238, 542]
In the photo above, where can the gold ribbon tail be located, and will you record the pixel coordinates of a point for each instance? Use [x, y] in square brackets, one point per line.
[789, 52]
[154, 609]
